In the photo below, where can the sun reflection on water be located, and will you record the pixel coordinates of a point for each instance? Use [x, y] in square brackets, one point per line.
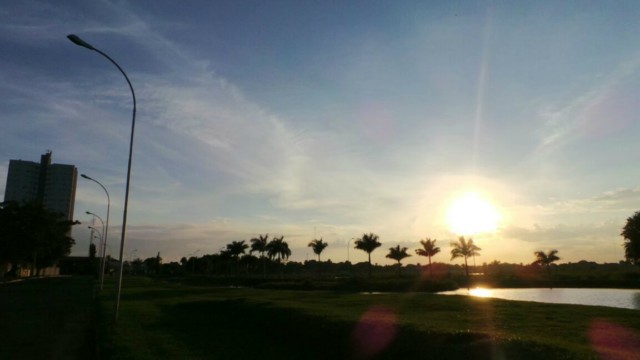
[480, 292]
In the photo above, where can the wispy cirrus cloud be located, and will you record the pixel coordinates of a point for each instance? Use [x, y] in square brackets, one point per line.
[584, 113]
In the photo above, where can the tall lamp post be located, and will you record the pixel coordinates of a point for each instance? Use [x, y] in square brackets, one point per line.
[104, 246]
[76, 40]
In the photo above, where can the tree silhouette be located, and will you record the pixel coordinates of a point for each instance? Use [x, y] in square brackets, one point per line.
[259, 244]
[152, 264]
[464, 248]
[631, 235]
[279, 249]
[368, 243]
[545, 259]
[33, 235]
[318, 246]
[397, 254]
[236, 248]
[429, 249]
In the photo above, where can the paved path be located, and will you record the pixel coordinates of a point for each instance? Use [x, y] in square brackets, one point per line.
[47, 318]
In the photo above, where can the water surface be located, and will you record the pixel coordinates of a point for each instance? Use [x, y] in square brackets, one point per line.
[620, 298]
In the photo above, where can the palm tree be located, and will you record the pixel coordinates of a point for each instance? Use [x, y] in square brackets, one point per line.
[259, 244]
[278, 248]
[236, 248]
[368, 242]
[545, 259]
[429, 249]
[318, 246]
[397, 254]
[464, 248]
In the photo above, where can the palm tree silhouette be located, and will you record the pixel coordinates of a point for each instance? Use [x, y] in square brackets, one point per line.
[545, 259]
[317, 246]
[464, 248]
[259, 244]
[429, 249]
[279, 249]
[234, 250]
[397, 254]
[368, 242]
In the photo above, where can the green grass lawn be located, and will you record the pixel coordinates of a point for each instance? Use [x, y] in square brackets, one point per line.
[167, 320]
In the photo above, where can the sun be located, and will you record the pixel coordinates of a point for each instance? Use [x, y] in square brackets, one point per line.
[471, 214]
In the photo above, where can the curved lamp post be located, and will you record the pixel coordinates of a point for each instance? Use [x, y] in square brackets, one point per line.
[76, 40]
[91, 238]
[106, 227]
[99, 233]
[94, 220]
[104, 244]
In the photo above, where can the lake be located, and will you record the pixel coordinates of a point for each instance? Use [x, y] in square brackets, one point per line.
[620, 298]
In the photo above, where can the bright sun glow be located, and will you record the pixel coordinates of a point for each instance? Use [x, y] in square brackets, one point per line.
[470, 214]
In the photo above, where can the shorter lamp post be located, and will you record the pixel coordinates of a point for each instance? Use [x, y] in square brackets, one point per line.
[106, 228]
[104, 241]
[100, 236]
[348, 246]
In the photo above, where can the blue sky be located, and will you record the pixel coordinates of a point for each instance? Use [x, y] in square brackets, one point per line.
[331, 119]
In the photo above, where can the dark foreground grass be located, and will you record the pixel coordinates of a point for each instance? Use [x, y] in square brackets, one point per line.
[47, 318]
[163, 320]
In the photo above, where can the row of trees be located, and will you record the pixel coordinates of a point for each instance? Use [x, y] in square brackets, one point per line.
[273, 252]
[32, 236]
[462, 248]
[278, 250]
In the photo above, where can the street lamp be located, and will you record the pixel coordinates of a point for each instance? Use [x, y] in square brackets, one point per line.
[348, 246]
[76, 40]
[104, 243]
[106, 227]
[99, 246]
[94, 221]
[99, 233]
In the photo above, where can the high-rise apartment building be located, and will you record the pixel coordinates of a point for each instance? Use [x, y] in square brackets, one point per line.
[53, 185]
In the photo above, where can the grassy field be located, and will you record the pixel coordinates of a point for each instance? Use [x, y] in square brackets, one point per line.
[47, 318]
[168, 320]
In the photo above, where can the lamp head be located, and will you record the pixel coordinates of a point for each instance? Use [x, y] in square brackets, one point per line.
[76, 40]
[85, 176]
